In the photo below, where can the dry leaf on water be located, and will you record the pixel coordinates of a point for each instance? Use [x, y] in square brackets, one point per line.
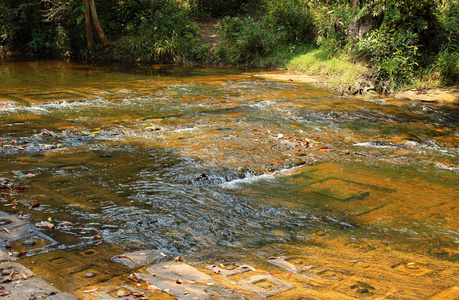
[34, 205]
[47, 224]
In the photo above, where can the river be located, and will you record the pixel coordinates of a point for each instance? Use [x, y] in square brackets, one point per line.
[206, 163]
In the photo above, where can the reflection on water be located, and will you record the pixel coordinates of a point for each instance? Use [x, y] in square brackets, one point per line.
[188, 160]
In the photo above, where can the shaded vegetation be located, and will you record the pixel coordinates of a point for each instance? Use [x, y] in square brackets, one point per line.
[402, 43]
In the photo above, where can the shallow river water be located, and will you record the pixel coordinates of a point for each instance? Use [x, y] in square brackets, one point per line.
[213, 163]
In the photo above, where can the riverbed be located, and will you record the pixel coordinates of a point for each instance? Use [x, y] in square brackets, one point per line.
[216, 163]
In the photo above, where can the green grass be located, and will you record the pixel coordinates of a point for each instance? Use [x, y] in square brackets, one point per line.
[336, 70]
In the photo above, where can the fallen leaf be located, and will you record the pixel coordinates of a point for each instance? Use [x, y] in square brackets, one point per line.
[125, 256]
[47, 224]
[324, 148]
[153, 288]
[133, 279]
[178, 258]
[91, 291]
[7, 231]
[9, 277]
[274, 273]
[97, 236]
[34, 205]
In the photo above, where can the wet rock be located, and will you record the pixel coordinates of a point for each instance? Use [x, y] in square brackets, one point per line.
[362, 288]
[25, 286]
[203, 176]
[138, 258]
[28, 243]
[296, 265]
[90, 274]
[169, 270]
[265, 285]
[186, 290]
[229, 268]
[6, 272]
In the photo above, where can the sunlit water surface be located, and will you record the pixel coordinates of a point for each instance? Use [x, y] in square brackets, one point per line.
[208, 160]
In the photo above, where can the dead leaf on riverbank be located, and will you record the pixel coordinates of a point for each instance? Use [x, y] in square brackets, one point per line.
[9, 277]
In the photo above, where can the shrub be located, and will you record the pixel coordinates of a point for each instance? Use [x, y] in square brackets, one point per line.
[222, 8]
[163, 33]
[22, 30]
[393, 53]
[292, 21]
[247, 40]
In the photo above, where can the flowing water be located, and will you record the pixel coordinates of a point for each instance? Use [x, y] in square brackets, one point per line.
[210, 162]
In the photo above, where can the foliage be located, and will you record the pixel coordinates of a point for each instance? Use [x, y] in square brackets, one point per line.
[291, 20]
[163, 33]
[332, 24]
[393, 53]
[402, 40]
[247, 40]
[223, 8]
[22, 31]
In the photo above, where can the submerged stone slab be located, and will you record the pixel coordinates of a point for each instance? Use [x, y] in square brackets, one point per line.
[296, 265]
[265, 285]
[35, 288]
[19, 271]
[119, 292]
[449, 293]
[176, 270]
[229, 268]
[139, 258]
[12, 228]
[4, 256]
[182, 290]
[19, 283]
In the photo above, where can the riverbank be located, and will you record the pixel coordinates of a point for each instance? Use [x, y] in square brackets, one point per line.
[448, 95]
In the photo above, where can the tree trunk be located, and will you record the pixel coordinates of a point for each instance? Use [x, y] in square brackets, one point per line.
[95, 20]
[87, 23]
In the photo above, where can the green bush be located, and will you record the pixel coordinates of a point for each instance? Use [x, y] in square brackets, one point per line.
[247, 40]
[393, 53]
[22, 30]
[448, 67]
[222, 8]
[163, 33]
[332, 26]
[291, 21]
